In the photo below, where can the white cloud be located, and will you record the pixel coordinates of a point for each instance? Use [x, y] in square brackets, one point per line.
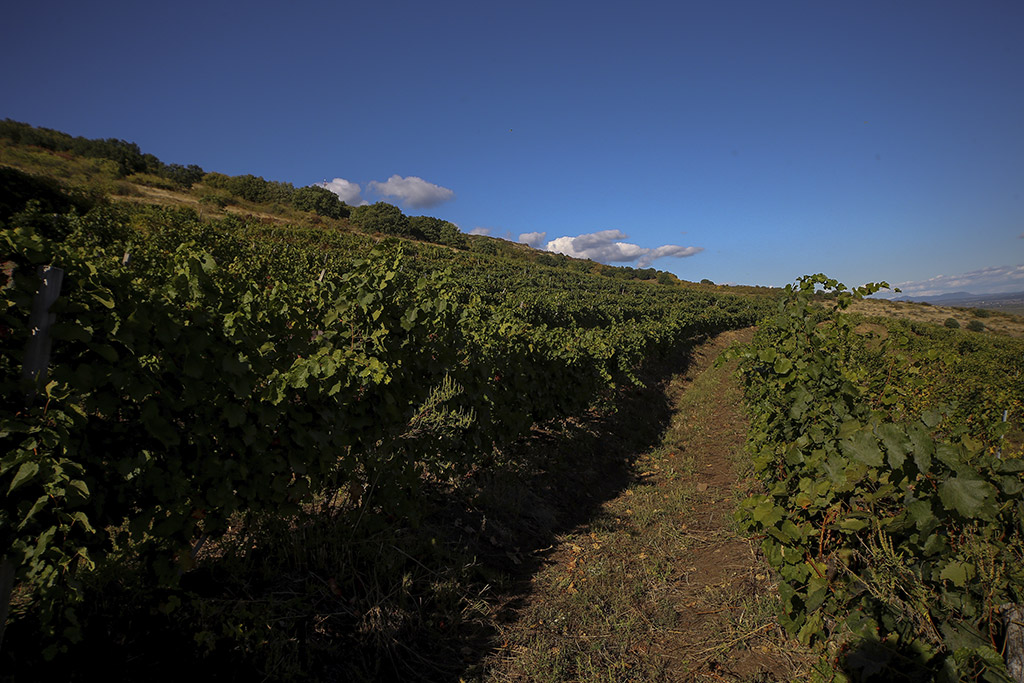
[607, 246]
[673, 250]
[480, 231]
[992, 280]
[416, 192]
[534, 239]
[348, 192]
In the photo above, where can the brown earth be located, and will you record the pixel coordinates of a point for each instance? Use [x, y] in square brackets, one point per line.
[723, 576]
[658, 583]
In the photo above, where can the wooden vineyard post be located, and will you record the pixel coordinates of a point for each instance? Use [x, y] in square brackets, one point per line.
[1013, 652]
[37, 360]
[37, 353]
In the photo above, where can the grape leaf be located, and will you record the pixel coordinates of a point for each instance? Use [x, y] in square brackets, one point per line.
[969, 496]
[863, 446]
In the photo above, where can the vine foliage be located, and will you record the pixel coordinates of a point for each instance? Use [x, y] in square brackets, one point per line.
[203, 373]
[900, 540]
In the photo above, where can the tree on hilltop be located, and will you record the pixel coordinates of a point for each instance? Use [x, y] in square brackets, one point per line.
[320, 201]
[382, 217]
[437, 230]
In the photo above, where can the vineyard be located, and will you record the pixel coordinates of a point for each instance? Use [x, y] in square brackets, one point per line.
[208, 373]
[279, 448]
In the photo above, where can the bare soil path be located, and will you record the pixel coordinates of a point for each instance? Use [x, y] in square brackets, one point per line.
[659, 585]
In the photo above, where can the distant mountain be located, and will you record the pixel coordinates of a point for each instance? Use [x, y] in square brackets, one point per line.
[1002, 301]
[940, 298]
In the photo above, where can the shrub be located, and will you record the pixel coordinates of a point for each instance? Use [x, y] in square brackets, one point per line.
[381, 217]
[212, 199]
[952, 323]
[548, 260]
[320, 201]
[484, 245]
[436, 230]
[185, 176]
[981, 313]
[218, 180]
[976, 326]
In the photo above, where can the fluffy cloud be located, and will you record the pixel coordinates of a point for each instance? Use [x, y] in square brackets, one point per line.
[992, 280]
[534, 239]
[416, 192]
[480, 231]
[348, 192]
[607, 246]
[413, 191]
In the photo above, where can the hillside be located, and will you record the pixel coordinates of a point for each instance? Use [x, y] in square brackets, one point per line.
[226, 365]
[258, 434]
[996, 321]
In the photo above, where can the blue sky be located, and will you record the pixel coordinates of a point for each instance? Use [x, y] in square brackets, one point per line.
[755, 141]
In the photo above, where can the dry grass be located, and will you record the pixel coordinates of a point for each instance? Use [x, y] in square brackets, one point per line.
[995, 322]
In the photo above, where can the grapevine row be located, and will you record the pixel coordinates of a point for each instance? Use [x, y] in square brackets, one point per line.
[201, 371]
[897, 530]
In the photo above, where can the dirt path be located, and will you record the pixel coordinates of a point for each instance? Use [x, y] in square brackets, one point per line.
[659, 585]
[722, 591]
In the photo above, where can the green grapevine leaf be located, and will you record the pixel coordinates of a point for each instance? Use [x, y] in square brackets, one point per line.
[863, 446]
[849, 428]
[1012, 486]
[25, 472]
[970, 496]
[36, 507]
[783, 365]
[896, 443]
[1012, 465]
[920, 511]
[949, 454]
[835, 467]
[935, 544]
[957, 572]
[853, 524]
[767, 513]
[923, 447]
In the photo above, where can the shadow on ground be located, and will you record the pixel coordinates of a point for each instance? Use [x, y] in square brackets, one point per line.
[351, 594]
[558, 479]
